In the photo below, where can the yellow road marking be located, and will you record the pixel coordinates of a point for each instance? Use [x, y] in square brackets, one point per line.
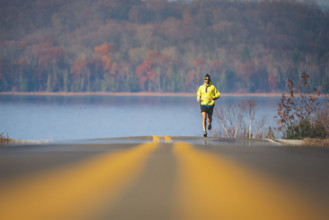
[156, 138]
[167, 138]
[76, 192]
[212, 187]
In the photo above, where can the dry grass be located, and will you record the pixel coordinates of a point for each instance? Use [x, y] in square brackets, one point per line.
[317, 142]
[4, 139]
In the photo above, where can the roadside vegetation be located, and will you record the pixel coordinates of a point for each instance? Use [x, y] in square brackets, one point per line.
[241, 121]
[300, 113]
[4, 138]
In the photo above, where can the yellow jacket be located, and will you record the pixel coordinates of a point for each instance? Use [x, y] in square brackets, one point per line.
[206, 91]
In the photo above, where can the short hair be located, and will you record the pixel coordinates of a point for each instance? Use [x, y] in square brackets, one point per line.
[207, 75]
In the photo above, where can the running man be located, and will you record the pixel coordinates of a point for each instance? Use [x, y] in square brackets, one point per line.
[207, 94]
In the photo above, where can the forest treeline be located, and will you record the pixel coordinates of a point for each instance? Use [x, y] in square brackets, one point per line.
[160, 45]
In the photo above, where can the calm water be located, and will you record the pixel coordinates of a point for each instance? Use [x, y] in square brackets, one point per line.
[88, 117]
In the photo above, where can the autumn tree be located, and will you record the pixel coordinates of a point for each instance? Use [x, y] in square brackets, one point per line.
[105, 52]
[151, 72]
[258, 44]
[295, 110]
[50, 66]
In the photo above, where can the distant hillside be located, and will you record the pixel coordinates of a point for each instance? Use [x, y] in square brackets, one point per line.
[324, 7]
[161, 46]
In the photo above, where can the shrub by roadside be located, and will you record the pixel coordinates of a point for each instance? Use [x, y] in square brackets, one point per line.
[4, 138]
[317, 142]
[300, 114]
[241, 121]
[305, 129]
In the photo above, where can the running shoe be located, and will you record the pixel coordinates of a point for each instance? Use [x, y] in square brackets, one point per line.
[209, 127]
[204, 134]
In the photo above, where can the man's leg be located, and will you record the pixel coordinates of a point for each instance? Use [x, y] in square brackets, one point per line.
[204, 118]
[211, 110]
[209, 121]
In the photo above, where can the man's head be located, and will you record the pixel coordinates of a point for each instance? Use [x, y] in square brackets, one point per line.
[207, 78]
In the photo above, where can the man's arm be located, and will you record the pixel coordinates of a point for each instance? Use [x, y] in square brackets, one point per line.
[198, 94]
[216, 94]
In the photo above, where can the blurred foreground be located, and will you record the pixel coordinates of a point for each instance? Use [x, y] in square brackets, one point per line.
[162, 177]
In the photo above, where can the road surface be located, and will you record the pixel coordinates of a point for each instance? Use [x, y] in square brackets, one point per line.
[162, 177]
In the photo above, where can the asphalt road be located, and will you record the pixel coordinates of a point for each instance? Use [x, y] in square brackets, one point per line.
[161, 177]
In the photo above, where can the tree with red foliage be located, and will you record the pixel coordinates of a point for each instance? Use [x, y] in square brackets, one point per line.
[193, 76]
[298, 106]
[105, 52]
[148, 72]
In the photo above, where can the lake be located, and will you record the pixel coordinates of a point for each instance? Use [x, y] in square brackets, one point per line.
[89, 117]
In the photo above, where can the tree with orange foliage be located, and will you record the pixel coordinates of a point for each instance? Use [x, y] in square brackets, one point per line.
[148, 72]
[105, 51]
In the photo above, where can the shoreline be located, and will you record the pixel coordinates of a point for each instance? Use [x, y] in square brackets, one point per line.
[279, 142]
[179, 94]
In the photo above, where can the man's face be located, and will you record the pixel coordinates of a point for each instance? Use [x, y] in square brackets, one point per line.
[206, 80]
